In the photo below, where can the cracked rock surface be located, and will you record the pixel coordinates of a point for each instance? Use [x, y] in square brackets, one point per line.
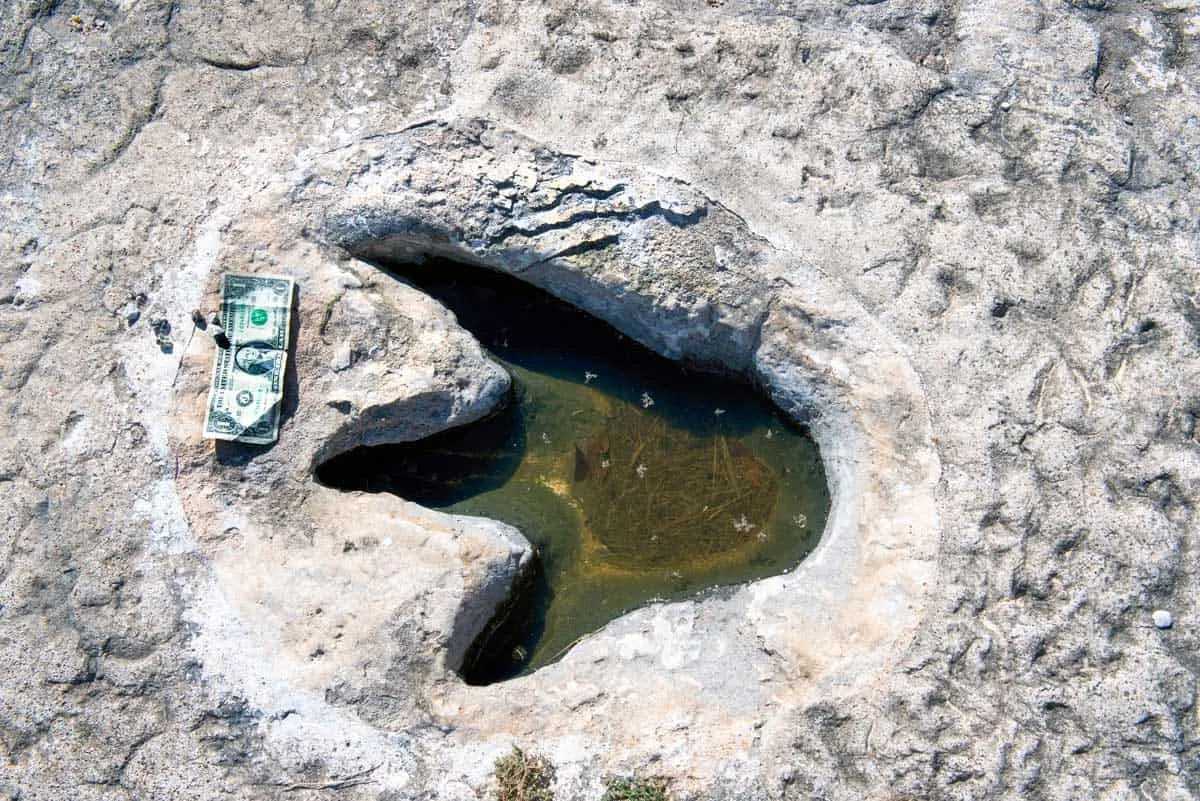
[964, 229]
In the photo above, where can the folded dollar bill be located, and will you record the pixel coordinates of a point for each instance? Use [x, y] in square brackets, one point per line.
[246, 396]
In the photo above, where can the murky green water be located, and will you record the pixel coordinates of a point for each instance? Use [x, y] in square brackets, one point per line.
[636, 478]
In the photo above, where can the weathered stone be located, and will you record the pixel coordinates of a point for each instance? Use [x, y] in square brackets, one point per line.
[958, 238]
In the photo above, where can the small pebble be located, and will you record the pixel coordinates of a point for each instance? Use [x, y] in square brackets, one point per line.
[218, 332]
[343, 358]
[130, 312]
[1162, 619]
[161, 327]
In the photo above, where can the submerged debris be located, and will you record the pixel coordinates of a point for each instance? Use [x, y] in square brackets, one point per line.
[700, 496]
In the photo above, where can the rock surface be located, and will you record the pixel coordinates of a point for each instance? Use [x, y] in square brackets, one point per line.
[960, 236]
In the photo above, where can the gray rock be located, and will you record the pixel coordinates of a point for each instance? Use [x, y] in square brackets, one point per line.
[957, 238]
[343, 358]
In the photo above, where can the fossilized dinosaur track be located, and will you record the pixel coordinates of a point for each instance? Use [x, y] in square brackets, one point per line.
[664, 264]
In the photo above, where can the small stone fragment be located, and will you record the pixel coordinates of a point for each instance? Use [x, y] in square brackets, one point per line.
[343, 358]
[130, 313]
[161, 328]
[1162, 619]
[218, 331]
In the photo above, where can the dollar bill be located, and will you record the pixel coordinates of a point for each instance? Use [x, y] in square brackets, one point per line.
[246, 396]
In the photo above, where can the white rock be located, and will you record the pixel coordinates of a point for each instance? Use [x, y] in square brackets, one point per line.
[190, 138]
[343, 358]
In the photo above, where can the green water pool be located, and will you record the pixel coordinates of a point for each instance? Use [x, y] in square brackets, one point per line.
[637, 478]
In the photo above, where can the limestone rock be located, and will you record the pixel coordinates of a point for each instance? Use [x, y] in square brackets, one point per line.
[957, 238]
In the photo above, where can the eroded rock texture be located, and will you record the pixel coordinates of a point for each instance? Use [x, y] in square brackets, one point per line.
[1007, 190]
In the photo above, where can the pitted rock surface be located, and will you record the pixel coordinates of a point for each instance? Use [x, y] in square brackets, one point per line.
[960, 236]
[363, 606]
